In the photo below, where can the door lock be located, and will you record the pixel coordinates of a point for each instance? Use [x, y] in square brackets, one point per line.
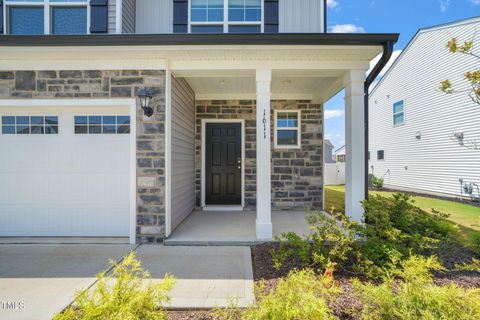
[239, 162]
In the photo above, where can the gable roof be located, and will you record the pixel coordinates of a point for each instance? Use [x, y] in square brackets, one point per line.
[419, 32]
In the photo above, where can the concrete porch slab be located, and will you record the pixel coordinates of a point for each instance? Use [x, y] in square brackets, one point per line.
[44, 277]
[206, 276]
[232, 228]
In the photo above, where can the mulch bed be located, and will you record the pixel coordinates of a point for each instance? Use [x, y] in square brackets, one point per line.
[346, 306]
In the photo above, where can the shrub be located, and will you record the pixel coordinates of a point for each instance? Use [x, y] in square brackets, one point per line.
[301, 295]
[330, 242]
[408, 292]
[377, 182]
[393, 230]
[128, 293]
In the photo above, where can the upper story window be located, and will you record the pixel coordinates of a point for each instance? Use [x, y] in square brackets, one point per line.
[219, 16]
[398, 113]
[32, 17]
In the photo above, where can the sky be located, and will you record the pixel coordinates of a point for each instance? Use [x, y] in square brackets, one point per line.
[386, 16]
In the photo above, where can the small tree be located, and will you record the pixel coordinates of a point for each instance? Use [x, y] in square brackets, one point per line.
[473, 88]
[472, 77]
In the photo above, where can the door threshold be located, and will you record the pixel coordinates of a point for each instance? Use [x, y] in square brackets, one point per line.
[222, 208]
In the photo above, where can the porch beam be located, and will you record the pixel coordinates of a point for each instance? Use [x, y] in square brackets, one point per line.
[264, 229]
[354, 143]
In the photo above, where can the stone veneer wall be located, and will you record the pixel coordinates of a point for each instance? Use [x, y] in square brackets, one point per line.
[80, 84]
[296, 173]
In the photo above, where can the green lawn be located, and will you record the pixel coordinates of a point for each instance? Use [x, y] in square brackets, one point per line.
[468, 217]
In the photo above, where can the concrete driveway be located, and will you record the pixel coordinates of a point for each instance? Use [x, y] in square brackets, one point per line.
[39, 280]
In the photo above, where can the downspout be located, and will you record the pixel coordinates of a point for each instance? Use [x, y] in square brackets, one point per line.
[118, 16]
[386, 55]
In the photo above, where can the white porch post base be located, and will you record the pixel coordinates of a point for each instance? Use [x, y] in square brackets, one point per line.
[264, 230]
[264, 187]
[354, 143]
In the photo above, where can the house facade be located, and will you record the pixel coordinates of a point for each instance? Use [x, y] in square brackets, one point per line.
[422, 139]
[120, 118]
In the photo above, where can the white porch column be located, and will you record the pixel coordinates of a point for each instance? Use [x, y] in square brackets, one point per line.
[354, 143]
[264, 186]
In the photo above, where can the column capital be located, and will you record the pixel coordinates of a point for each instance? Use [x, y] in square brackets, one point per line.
[354, 76]
[263, 75]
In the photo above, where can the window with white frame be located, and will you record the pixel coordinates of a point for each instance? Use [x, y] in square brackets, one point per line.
[30, 17]
[287, 133]
[398, 113]
[232, 16]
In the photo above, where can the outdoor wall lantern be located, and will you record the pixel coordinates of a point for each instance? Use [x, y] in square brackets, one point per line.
[145, 99]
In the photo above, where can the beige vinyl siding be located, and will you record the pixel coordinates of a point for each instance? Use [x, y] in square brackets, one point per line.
[301, 16]
[183, 150]
[112, 15]
[435, 162]
[154, 16]
[128, 16]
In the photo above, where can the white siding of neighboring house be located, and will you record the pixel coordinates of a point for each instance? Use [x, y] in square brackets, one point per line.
[154, 16]
[112, 14]
[433, 163]
[301, 15]
[183, 150]
[128, 16]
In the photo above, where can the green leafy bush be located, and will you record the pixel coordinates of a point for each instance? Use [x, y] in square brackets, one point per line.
[408, 292]
[128, 293]
[331, 241]
[301, 295]
[393, 230]
[377, 182]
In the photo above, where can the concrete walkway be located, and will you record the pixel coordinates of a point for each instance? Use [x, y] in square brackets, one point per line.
[39, 280]
[207, 277]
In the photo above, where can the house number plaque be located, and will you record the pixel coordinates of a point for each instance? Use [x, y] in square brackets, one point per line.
[264, 120]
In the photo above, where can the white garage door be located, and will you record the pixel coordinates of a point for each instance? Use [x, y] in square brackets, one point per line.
[65, 180]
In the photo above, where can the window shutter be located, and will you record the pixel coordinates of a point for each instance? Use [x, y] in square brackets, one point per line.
[271, 16]
[180, 16]
[98, 16]
[1, 16]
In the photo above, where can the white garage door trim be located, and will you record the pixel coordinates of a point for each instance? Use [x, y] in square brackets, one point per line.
[130, 103]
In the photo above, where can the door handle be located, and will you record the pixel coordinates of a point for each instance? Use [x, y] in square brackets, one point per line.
[239, 163]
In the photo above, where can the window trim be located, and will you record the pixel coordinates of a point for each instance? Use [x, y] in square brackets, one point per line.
[226, 23]
[47, 9]
[397, 113]
[298, 128]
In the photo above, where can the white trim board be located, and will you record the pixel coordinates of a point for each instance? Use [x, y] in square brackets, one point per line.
[69, 103]
[203, 143]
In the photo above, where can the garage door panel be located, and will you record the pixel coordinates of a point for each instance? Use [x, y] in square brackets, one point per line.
[49, 220]
[66, 184]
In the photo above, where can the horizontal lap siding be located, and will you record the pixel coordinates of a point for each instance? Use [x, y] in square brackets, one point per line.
[154, 16]
[435, 162]
[183, 151]
[301, 15]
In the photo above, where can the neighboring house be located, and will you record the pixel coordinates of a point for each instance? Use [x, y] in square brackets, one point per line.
[328, 151]
[218, 104]
[340, 154]
[420, 138]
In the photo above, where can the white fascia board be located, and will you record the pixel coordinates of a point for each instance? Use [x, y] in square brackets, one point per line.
[55, 64]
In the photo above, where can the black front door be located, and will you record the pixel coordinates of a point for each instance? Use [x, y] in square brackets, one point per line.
[223, 156]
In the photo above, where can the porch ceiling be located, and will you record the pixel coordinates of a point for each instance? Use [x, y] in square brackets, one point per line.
[316, 85]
